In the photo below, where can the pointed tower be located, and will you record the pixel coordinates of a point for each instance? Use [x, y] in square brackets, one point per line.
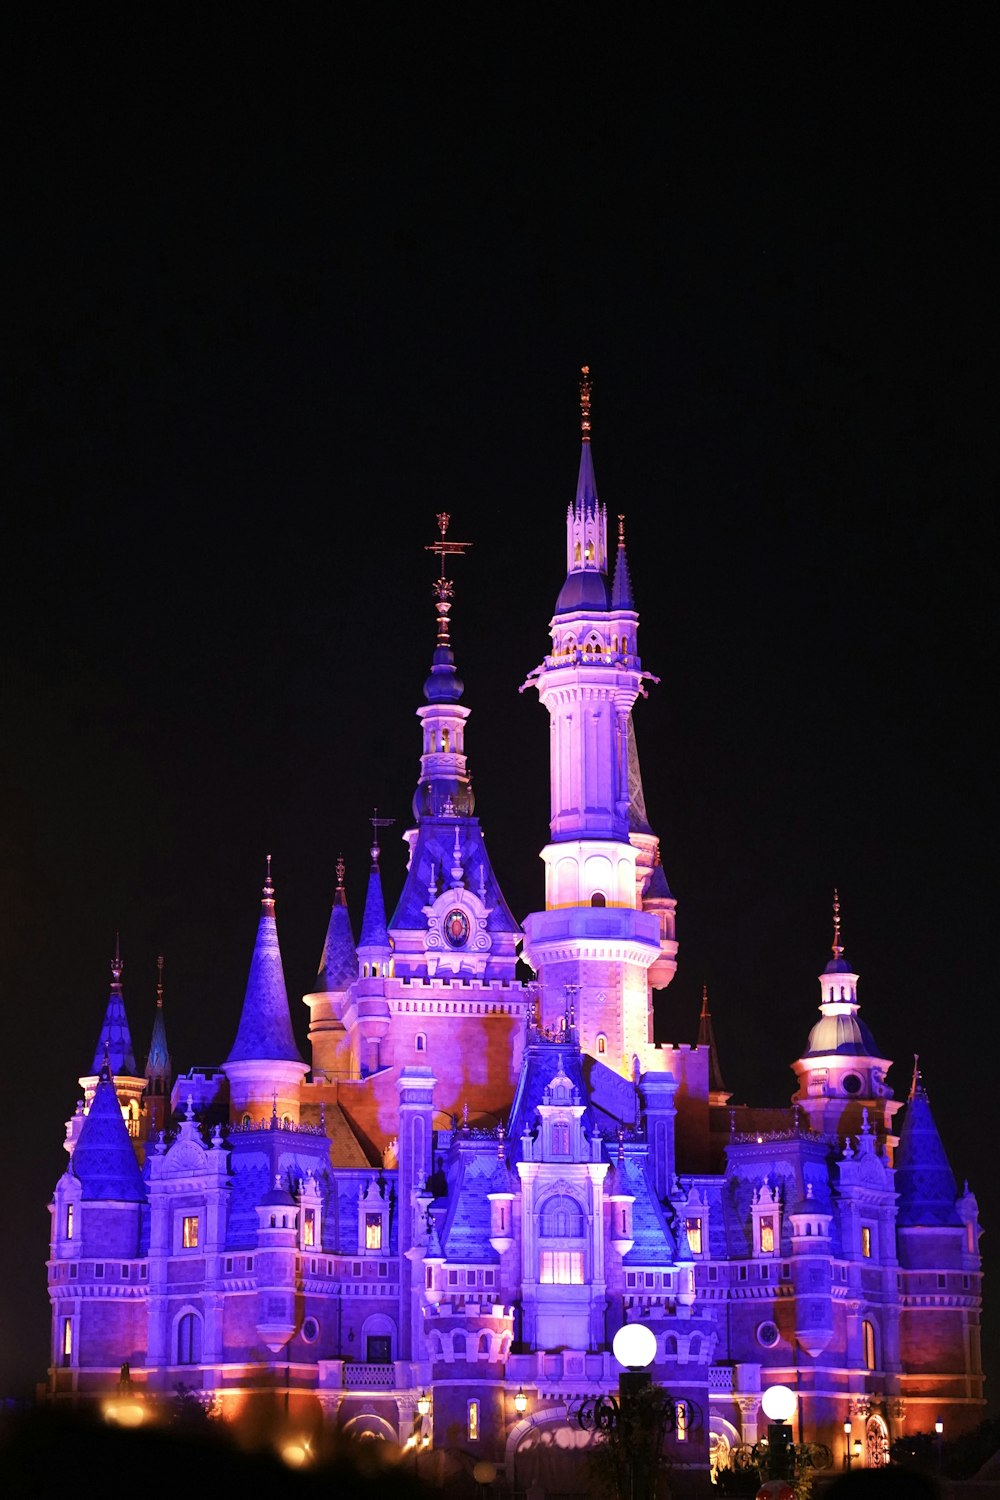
[158, 1070]
[718, 1094]
[97, 1214]
[114, 1045]
[841, 1074]
[370, 1006]
[937, 1239]
[451, 918]
[602, 854]
[264, 1067]
[338, 970]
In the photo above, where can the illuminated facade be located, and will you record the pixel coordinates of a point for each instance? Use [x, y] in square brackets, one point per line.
[485, 1165]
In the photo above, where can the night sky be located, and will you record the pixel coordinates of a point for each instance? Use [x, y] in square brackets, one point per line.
[277, 294]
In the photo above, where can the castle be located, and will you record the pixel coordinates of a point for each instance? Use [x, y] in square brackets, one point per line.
[430, 1231]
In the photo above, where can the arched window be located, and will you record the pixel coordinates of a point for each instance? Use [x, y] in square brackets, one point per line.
[561, 1217]
[561, 1220]
[445, 740]
[602, 1045]
[189, 1339]
[246, 1119]
[420, 1042]
[597, 899]
[868, 1338]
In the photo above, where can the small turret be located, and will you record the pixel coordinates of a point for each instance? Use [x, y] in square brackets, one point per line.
[338, 970]
[264, 1065]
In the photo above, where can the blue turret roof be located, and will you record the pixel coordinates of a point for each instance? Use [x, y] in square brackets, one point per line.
[338, 966]
[115, 1039]
[924, 1180]
[374, 931]
[265, 1030]
[621, 588]
[104, 1159]
[158, 1056]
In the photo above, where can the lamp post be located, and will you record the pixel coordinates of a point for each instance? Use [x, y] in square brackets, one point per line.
[939, 1429]
[847, 1443]
[777, 1456]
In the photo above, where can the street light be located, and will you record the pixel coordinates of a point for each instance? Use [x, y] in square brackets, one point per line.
[847, 1443]
[939, 1429]
[423, 1403]
[777, 1456]
[520, 1402]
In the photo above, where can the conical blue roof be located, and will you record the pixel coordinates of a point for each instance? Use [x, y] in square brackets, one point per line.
[374, 932]
[338, 966]
[265, 1030]
[158, 1056]
[586, 482]
[104, 1159]
[115, 1039]
[621, 588]
[924, 1180]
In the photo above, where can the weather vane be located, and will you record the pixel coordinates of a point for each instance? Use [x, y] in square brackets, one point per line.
[443, 587]
[378, 823]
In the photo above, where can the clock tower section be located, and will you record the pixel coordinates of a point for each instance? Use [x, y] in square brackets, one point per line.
[597, 948]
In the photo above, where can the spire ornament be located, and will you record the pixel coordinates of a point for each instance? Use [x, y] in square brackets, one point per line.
[586, 387]
[377, 823]
[443, 587]
[838, 947]
[159, 982]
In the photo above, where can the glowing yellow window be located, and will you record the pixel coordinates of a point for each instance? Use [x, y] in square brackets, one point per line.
[866, 1242]
[373, 1231]
[767, 1236]
[681, 1427]
[693, 1227]
[67, 1338]
[69, 1221]
[561, 1267]
[189, 1232]
[309, 1227]
[473, 1421]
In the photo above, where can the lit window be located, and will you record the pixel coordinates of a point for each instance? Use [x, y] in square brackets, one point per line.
[373, 1231]
[67, 1340]
[69, 1220]
[868, 1336]
[767, 1236]
[309, 1227]
[602, 1045]
[189, 1232]
[561, 1267]
[681, 1421]
[472, 1426]
[866, 1242]
[693, 1228]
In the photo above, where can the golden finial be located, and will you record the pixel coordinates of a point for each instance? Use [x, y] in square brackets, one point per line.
[621, 531]
[268, 891]
[340, 872]
[586, 387]
[159, 982]
[838, 946]
[116, 962]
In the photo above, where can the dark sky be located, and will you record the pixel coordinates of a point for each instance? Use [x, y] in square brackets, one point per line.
[276, 294]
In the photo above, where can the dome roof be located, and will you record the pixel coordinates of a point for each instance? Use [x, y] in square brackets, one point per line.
[586, 590]
[841, 1033]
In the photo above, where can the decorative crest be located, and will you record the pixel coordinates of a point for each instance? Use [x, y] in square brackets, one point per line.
[586, 387]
